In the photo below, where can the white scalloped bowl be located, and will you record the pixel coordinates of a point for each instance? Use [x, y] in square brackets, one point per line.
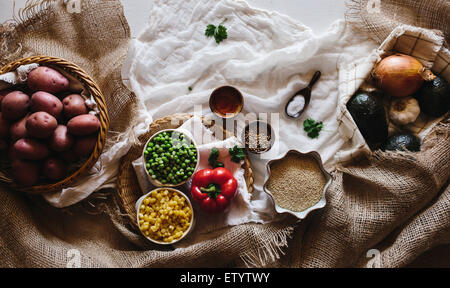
[319, 205]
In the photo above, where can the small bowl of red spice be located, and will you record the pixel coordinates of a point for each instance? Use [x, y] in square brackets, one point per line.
[226, 102]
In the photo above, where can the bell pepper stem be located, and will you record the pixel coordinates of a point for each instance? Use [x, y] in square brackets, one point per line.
[213, 190]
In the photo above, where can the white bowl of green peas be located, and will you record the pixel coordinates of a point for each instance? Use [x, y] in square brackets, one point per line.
[170, 157]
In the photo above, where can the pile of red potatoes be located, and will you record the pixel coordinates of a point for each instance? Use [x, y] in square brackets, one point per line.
[45, 128]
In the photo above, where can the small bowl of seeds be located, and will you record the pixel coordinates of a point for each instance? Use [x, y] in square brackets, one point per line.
[259, 137]
[297, 183]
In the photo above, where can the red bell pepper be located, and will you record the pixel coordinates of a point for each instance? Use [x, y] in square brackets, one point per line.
[213, 189]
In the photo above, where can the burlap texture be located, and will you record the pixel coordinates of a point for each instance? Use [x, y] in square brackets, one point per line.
[378, 18]
[398, 204]
[369, 201]
[33, 234]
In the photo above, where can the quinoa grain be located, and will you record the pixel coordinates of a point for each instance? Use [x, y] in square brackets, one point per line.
[296, 182]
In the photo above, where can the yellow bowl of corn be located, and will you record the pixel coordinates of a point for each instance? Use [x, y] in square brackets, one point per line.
[165, 216]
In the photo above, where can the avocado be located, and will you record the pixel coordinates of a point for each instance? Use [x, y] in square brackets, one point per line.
[402, 142]
[367, 110]
[434, 97]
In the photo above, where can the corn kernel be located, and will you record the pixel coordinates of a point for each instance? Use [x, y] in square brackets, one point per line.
[164, 215]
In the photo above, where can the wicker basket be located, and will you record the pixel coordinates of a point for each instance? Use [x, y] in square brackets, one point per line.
[94, 90]
[128, 189]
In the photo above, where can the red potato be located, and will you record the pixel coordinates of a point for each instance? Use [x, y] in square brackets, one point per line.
[61, 140]
[83, 125]
[18, 130]
[4, 127]
[3, 93]
[84, 146]
[54, 169]
[48, 80]
[25, 173]
[46, 102]
[41, 125]
[15, 105]
[74, 105]
[30, 149]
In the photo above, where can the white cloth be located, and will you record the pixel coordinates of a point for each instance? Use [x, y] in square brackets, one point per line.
[267, 56]
[241, 209]
[19, 76]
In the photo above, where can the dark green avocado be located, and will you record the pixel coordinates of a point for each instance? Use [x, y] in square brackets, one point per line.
[402, 142]
[434, 97]
[367, 110]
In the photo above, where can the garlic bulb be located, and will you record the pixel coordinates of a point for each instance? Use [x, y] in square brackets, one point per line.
[404, 111]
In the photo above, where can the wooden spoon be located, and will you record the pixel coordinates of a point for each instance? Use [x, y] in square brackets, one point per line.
[306, 93]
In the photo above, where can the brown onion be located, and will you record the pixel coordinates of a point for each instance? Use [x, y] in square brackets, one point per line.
[401, 75]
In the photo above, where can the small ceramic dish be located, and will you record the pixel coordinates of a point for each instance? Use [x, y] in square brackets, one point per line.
[191, 224]
[258, 125]
[158, 183]
[319, 205]
[226, 102]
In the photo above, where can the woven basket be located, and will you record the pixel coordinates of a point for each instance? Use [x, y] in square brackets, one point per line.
[128, 189]
[94, 90]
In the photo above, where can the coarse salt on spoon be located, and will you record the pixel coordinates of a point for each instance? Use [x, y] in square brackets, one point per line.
[300, 101]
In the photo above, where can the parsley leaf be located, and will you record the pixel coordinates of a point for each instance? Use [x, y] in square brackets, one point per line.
[237, 154]
[210, 30]
[312, 127]
[220, 32]
[212, 159]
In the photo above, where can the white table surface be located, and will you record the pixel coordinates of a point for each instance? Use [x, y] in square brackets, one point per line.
[317, 14]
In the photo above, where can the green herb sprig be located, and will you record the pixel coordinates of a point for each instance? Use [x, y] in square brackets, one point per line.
[312, 127]
[237, 154]
[219, 33]
[212, 159]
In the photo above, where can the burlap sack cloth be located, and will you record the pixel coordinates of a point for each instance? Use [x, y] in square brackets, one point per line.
[399, 204]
